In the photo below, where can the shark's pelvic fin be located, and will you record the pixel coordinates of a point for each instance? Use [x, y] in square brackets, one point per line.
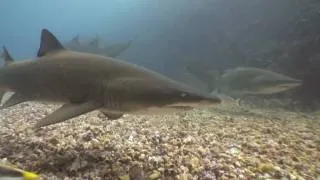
[15, 99]
[49, 43]
[6, 56]
[111, 115]
[67, 111]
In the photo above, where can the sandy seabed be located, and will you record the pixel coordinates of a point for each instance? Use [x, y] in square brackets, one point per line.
[224, 142]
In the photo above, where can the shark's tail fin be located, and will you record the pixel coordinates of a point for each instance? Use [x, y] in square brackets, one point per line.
[209, 77]
[95, 42]
[75, 40]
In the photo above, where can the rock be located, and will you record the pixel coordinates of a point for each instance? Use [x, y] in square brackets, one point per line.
[155, 175]
[136, 172]
[266, 167]
[124, 177]
[182, 177]
[193, 164]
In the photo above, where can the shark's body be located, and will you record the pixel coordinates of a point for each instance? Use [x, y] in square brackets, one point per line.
[86, 82]
[9, 98]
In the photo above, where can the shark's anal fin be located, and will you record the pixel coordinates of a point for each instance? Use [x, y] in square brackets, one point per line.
[111, 115]
[65, 112]
[15, 99]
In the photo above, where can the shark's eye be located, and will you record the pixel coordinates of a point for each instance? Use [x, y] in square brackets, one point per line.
[183, 94]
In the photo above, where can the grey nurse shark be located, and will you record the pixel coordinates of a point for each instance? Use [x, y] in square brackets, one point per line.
[242, 81]
[96, 47]
[84, 82]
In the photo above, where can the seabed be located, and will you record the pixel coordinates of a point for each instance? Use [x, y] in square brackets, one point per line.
[223, 142]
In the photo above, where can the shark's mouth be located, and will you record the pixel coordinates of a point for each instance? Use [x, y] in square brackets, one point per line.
[289, 85]
[180, 107]
[279, 88]
[5, 88]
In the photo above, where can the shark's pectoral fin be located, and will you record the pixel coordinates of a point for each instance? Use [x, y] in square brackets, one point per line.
[67, 111]
[111, 115]
[16, 98]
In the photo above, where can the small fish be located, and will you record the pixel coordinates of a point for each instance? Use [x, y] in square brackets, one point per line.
[11, 173]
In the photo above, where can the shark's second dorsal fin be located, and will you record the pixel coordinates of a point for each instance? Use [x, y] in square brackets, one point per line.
[6, 56]
[49, 43]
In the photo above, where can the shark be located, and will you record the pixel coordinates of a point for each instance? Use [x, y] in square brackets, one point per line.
[242, 81]
[84, 82]
[94, 46]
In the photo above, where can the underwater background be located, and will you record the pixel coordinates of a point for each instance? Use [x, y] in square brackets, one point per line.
[273, 136]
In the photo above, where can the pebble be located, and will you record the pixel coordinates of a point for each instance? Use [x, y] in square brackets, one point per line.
[155, 175]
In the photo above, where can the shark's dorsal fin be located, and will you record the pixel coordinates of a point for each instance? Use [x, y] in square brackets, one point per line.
[6, 56]
[94, 42]
[49, 43]
[75, 40]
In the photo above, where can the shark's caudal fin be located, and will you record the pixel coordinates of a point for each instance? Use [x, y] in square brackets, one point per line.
[94, 42]
[49, 43]
[210, 78]
[75, 40]
[6, 56]
[116, 49]
[67, 111]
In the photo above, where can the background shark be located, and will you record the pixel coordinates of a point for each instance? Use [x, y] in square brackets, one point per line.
[95, 46]
[85, 82]
[243, 81]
